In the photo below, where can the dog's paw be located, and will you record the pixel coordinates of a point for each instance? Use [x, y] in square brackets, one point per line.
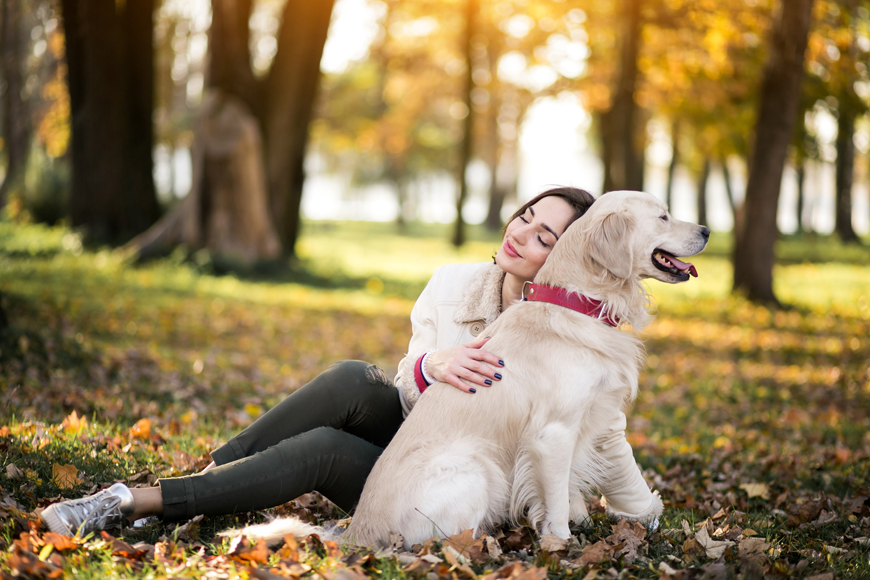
[558, 530]
[578, 512]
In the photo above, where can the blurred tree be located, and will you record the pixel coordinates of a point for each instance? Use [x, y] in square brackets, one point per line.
[755, 238]
[472, 9]
[251, 138]
[111, 83]
[16, 118]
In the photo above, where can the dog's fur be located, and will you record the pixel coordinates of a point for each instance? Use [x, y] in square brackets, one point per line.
[526, 446]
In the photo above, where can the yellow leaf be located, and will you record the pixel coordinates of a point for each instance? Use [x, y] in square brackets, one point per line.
[74, 423]
[252, 410]
[756, 490]
[65, 476]
[141, 430]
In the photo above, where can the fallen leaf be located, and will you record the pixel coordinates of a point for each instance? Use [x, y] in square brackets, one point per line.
[141, 430]
[553, 543]
[756, 490]
[457, 561]
[631, 535]
[245, 552]
[60, 542]
[805, 512]
[465, 544]
[595, 553]
[12, 472]
[74, 423]
[713, 548]
[65, 476]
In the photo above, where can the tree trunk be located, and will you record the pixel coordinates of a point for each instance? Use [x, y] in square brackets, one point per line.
[801, 192]
[621, 126]
[755, 240]
[112, 192]
[729, 185]
[288, 109]
[675, 160]
[845, 170]
[702, 192]
[227, 159]
[16, 126]
[471, 14]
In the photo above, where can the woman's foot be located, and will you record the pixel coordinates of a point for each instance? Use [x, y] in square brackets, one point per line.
[105, 509]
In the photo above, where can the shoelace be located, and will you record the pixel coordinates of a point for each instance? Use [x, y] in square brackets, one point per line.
[98, 514]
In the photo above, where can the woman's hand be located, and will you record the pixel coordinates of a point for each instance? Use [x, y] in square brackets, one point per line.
[466, 362]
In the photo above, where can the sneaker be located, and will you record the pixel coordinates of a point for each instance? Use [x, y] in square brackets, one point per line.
[105, 509]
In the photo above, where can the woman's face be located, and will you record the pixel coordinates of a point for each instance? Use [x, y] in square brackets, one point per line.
[529, 238]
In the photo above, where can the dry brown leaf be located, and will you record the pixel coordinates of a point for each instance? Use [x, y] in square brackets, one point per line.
[713, 548]
[258, 553]
[12, 472]
[141, 430]
[805, 512]
[595, 553]
[553, 543]
[756, 490]
[631, 535]
[457, 561]
[65, 476]
[465, 544]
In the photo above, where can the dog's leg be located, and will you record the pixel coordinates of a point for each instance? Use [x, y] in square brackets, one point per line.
[577, 511]
[555, 448]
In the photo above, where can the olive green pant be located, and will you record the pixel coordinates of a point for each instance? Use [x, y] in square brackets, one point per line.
[324, 437]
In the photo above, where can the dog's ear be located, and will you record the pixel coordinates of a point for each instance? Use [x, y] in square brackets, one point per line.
[610, 243]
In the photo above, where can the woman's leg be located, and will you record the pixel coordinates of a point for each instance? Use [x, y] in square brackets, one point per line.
[327, 460]
[354, 396]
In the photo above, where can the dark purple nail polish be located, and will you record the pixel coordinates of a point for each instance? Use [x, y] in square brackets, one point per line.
[472, 390]
[501, 362]
[497, 376]
[488, 382]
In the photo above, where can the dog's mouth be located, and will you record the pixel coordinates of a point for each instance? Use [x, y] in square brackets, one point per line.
[668, 263]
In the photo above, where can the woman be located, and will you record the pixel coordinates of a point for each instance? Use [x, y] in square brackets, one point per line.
[328, 435]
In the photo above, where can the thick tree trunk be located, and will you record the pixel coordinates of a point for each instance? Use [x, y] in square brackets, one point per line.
[621, 126]
[16, 126]
[288, 109]
[845, 170]
[112, 192]
[472, 9]
[702, 192]
[227, 159]
[779, 103]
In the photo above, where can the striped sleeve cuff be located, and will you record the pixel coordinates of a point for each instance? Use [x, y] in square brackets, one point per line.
[419, 377]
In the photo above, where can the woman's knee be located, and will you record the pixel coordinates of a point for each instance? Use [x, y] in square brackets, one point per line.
[357, 372]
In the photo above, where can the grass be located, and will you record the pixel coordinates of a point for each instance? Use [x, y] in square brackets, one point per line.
[733, 394]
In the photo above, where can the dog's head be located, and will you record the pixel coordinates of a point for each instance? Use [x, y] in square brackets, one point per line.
[631, 235]
[623, 237]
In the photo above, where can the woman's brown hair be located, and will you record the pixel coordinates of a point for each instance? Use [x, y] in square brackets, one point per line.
[579, 199]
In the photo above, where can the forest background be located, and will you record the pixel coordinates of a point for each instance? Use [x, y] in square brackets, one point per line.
[180, 246]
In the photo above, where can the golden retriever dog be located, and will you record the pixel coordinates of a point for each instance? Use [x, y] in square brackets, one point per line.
[526, 446]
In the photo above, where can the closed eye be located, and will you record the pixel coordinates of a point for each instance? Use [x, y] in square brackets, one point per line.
[543, 243]
[664, 217]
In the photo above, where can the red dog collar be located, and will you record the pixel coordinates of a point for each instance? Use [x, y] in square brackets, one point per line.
[576, 302]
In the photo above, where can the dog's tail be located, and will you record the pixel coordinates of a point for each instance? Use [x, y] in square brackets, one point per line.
[273, 532]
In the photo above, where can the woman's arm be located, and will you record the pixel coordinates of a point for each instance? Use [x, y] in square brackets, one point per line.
[624, 488]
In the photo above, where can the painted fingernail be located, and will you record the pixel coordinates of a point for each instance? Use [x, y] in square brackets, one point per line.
[501, 362]
[488, 382]
[497, 376]
[472, 390]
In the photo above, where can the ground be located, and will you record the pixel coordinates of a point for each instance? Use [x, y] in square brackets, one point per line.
[751, 422]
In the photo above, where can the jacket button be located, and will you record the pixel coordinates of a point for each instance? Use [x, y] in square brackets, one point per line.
[476, 328]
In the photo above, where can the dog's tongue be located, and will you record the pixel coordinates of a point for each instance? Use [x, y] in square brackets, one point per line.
[683, 266]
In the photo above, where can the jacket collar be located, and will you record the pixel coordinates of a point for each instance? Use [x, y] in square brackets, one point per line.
[482, 298]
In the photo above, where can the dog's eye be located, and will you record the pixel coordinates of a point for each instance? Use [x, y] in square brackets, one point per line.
[664, 217]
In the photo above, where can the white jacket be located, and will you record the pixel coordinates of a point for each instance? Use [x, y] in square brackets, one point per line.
[454, 308]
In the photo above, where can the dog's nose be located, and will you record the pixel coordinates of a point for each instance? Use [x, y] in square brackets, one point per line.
[705, 231]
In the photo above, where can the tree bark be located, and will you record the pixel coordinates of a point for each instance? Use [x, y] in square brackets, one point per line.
[801, 192]
[288, 109]
[16, 126]
[675, 160]
[755, 240]
[112, 193]
[845, 172]
[702, 192]
[471, 14]
[621, 125]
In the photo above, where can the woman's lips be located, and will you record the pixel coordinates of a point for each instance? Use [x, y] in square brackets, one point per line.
[510, 251]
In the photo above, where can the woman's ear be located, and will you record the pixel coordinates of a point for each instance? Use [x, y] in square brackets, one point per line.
[609, 243]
